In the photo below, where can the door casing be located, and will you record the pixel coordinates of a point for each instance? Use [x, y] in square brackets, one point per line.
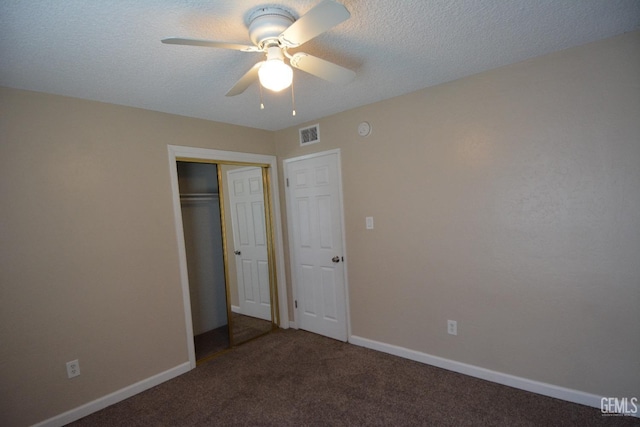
[176, 153]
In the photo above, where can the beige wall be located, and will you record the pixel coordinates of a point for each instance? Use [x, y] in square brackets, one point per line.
[508, 201]
[88, 255]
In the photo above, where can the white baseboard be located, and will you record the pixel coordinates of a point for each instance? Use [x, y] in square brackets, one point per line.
[115, 397]
[544, 389]
[236, 309]
[293, 324]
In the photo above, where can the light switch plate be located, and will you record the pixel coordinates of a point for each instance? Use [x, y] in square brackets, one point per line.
[369, 222]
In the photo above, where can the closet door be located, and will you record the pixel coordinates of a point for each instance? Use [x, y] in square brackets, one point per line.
[246, 199]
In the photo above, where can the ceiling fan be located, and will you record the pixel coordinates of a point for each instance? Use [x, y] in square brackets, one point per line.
[273, 30]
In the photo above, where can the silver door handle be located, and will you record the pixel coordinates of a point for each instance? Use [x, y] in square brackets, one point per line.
[237, 252]
[335, 259]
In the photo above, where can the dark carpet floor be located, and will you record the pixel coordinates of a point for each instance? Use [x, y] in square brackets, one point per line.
[295, 378]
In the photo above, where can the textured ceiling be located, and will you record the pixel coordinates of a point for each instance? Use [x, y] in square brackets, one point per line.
[110, 51]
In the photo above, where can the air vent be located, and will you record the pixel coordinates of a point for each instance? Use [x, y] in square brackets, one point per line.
[310, 135]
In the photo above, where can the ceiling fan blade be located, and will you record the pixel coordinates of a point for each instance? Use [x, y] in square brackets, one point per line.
[321, 68]
[210, 43]
[245, 81]
[324, 16]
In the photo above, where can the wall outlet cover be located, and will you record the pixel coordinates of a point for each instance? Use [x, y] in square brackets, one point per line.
[73, 368]
[452, 327]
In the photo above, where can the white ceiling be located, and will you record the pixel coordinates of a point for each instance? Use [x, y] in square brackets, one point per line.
[110, 51]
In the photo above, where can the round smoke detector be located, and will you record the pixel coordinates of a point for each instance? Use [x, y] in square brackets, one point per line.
[364, 129]
[267, 23]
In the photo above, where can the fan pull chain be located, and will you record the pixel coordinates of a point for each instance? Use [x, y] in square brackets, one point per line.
[293, 100]
[261, 103]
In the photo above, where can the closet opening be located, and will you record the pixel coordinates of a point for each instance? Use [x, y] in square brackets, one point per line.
[228, 239]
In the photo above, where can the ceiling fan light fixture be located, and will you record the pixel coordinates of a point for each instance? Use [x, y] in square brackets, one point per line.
[273, 30]
[274, 74]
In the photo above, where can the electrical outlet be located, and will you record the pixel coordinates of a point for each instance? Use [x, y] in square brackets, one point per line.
[452, 327]
[73, 368]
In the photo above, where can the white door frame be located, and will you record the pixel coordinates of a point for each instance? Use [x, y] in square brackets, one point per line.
[177, 152]
[292, 254]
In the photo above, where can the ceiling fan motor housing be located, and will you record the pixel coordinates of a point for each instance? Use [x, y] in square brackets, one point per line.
[267, 23]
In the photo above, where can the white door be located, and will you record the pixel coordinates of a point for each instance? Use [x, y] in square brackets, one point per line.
[314, 205]
[246, 200]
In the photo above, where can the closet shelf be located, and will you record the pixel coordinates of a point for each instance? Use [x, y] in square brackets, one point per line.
[199, 196]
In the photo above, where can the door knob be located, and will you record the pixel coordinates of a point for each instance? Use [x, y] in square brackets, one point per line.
[335, 259]
[237, 252]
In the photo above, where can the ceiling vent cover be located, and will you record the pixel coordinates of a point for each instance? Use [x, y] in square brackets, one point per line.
[310, 135]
